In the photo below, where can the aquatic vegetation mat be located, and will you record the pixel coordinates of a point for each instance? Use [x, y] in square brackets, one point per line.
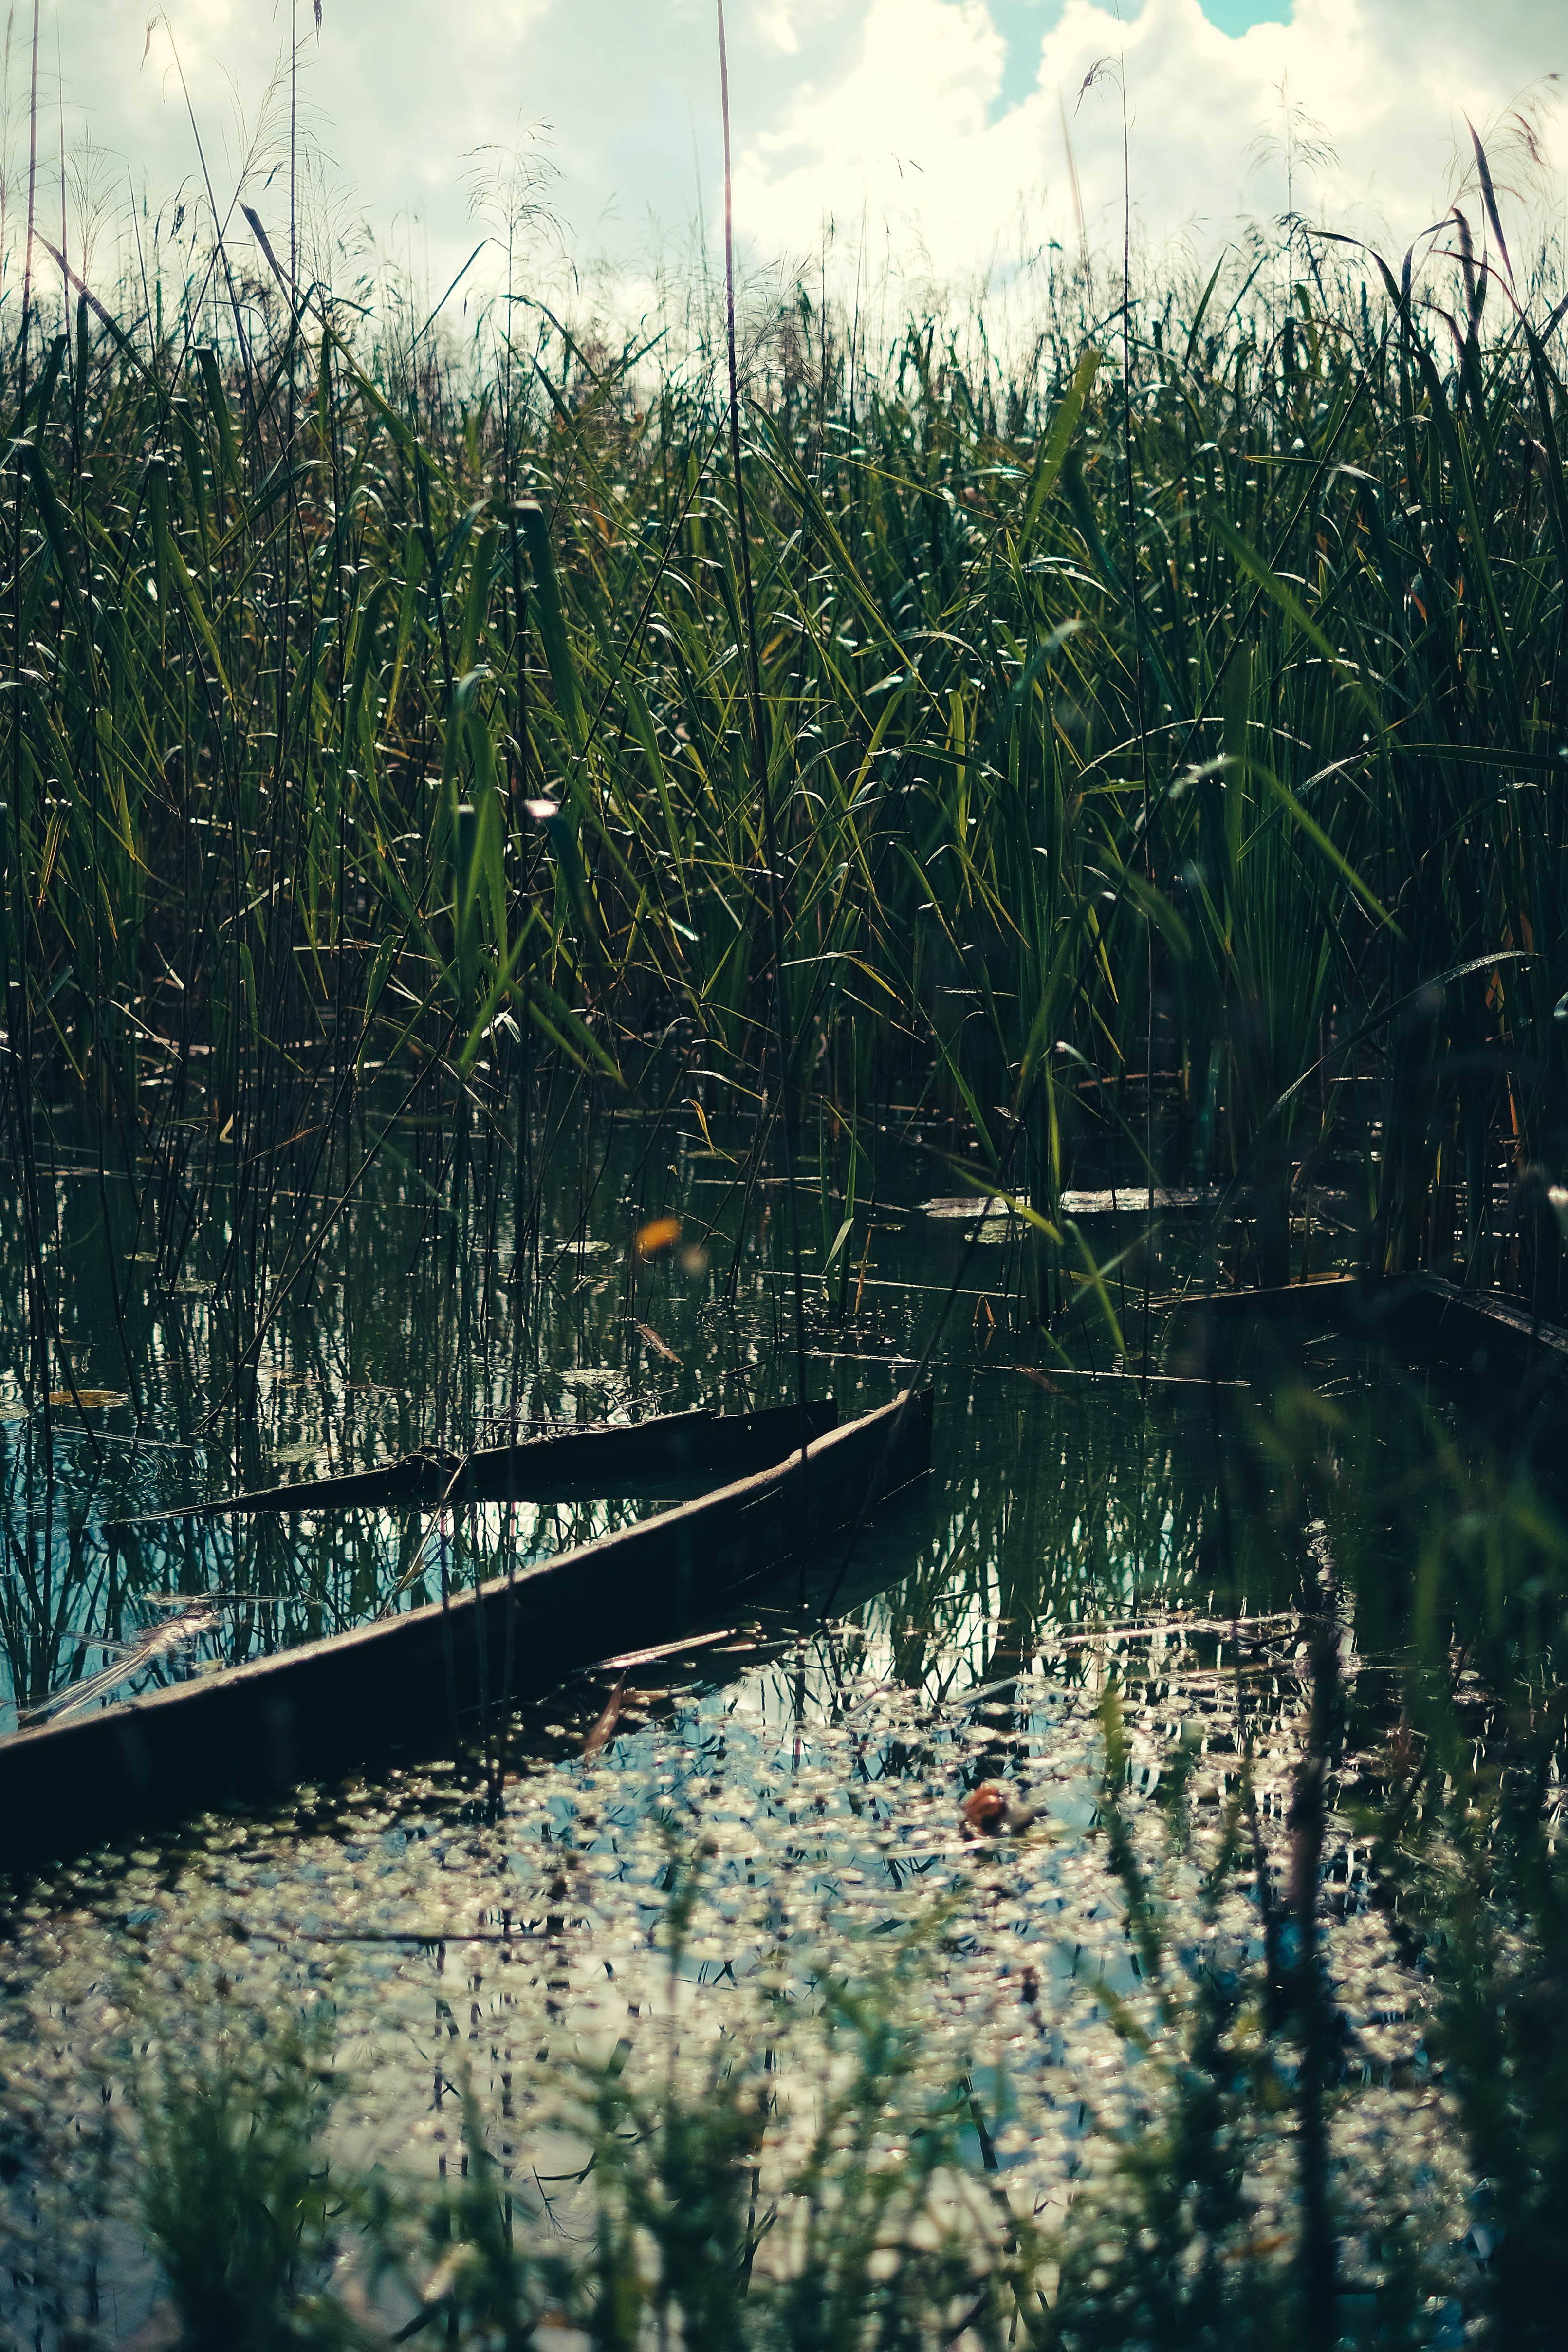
[1044, 2061]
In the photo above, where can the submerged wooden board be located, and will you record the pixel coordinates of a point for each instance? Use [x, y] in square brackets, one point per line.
[248, 1733]
[1478, 1333]
[644, 1455]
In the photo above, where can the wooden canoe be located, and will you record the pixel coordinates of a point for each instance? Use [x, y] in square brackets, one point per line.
[406, 1684]
[639, 1458]
[1481, 1337]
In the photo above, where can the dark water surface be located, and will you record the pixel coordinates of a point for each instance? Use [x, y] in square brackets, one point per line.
[492, 1925]
[411, 1327]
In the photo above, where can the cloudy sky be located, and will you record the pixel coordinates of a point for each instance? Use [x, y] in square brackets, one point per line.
[940, 135]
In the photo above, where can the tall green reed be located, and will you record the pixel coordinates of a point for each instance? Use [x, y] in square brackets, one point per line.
[237, 2197]
[383, 729]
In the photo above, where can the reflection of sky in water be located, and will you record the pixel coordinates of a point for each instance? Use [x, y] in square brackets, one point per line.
[1065, 1533]
[1061, 1502]
[407, 1336]
[821, 1784]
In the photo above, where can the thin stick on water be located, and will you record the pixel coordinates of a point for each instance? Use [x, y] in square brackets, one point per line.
[759, 744]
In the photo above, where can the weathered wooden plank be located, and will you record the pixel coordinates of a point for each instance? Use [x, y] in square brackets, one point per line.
[1476, 1333]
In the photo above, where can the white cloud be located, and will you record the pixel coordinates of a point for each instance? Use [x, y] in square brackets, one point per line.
[777, 24]
[937, 123]
[910, 137]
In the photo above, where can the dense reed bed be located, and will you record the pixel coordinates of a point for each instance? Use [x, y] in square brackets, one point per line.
[1165, 736]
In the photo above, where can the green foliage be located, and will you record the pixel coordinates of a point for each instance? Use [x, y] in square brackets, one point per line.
[367, 729]
[1266, 788]
[722, 2220]
[1474, 1849]
[818, 2173]
[1169, 2252]
[1166, 2255]
[235, 2192]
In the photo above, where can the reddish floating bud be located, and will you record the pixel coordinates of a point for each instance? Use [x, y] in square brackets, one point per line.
[985, 1810]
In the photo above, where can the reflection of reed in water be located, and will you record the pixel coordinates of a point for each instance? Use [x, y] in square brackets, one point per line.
[175, 1637]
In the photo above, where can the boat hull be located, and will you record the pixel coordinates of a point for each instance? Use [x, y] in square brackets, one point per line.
[248, 1735]
[1481, 1336]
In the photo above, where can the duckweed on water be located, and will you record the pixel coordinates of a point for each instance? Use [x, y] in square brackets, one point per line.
[1026, 2081]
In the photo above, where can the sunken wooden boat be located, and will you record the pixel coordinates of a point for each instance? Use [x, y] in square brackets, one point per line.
[247, 1735]
[1491, 1343]
[641, 1458]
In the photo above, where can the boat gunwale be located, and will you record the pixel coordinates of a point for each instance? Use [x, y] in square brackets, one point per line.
[256, 1677]
[523, 1463]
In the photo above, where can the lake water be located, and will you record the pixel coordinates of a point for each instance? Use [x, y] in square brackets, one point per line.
[456, 1926]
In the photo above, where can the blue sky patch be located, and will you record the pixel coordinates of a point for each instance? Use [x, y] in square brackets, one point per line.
[1024, 23]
